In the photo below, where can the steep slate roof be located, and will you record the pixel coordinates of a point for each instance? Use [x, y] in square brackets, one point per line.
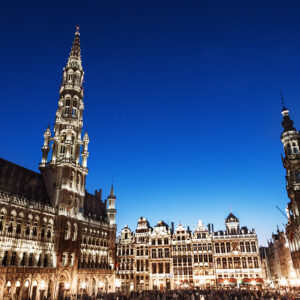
[94, 207]
[20, 181]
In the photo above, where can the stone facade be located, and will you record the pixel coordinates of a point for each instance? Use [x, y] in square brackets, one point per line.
[290, 138]
[176, 259]
[279, 266]
[56, 238]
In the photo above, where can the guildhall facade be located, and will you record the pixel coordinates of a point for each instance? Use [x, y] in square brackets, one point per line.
[164, 258]
[57, 239]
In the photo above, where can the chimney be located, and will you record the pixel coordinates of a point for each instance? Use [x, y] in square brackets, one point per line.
[208, 227]
[212, 227]
[172, 227]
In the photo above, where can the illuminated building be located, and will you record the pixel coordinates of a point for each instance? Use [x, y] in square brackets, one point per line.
[290, 139]
[57, 239]
[160, 259]
[203, 262]
[236, 255]
[280, 267]
[181, 259]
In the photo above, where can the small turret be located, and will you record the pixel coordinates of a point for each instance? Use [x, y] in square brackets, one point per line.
[290, 136]
[85, 153]
[46, 148]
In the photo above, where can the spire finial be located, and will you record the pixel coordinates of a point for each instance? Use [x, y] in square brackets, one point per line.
[112, 190]
[230, 209]
[282, 99]
[77, 29]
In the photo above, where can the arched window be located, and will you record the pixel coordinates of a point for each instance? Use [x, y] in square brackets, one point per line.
[289, 149]
[67, 102]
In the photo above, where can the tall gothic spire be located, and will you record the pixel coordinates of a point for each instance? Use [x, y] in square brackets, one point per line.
[75, 50]
[68, 145]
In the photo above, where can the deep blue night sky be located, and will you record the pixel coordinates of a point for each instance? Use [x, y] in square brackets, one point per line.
[182, 101]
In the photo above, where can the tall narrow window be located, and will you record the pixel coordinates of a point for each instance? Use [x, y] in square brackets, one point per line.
[253, 246]
[62, 149]
[248, 247]
[74, 112]
[30, 259]
[4, 260]
[13, 258]
[256, 265]
[67, 110]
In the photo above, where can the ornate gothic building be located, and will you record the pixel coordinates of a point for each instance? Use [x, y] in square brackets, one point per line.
[290, 138]
[56, 238]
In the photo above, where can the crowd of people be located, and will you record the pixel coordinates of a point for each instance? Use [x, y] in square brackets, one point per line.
[208, 294]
